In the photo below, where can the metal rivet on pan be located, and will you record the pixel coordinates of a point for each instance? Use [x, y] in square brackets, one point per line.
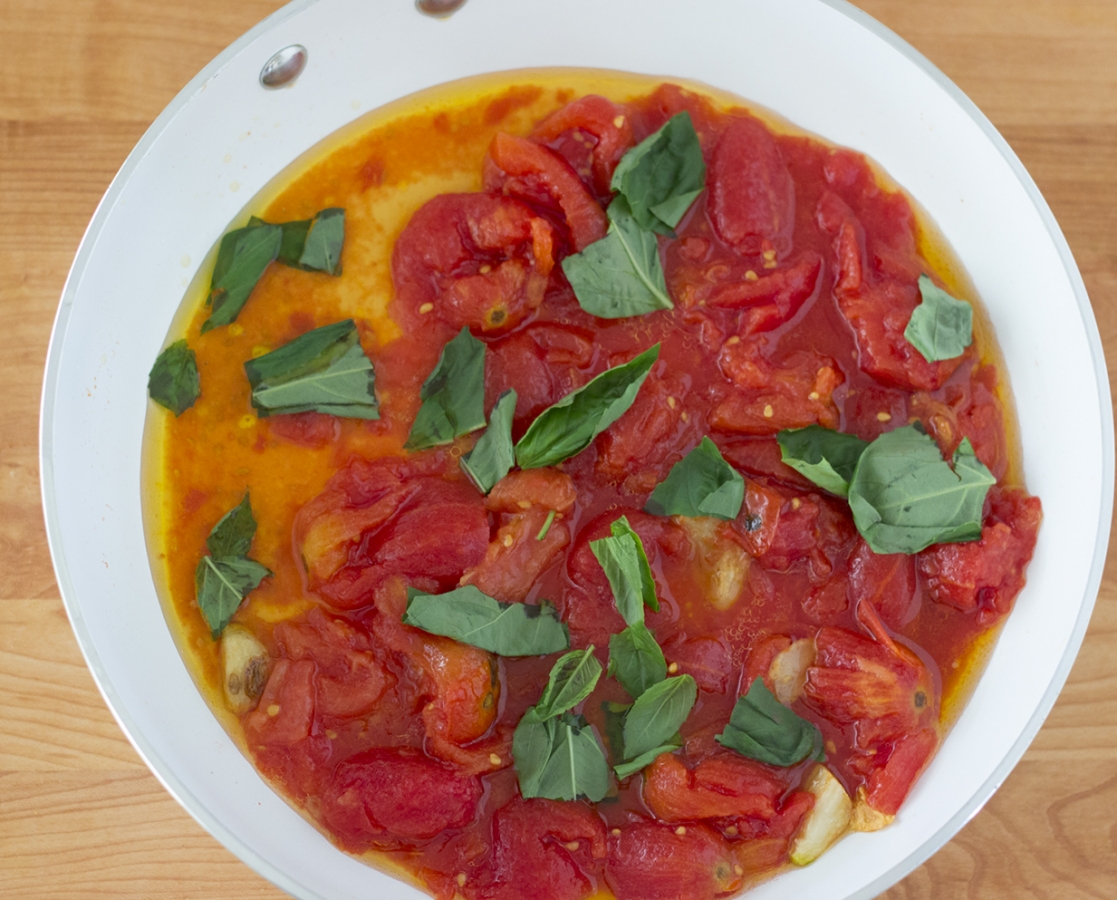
[439, 8]
[284, 67]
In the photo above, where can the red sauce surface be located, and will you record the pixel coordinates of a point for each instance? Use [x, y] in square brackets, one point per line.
[793, 276]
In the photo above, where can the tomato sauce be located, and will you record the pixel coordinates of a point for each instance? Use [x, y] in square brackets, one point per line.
[792, 276]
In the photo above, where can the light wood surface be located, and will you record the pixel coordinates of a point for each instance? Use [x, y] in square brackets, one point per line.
[80, 81]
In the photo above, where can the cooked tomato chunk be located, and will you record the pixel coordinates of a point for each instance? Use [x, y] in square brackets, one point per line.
[604, 121]
[390, 522]
[524, 547]
[391, 796]
[545, 488]
[648, 861]
[878, 308]
[769, 397]
[887, 581]
[542, 363]
[349, 677]
[538, 175]
[542, 850]
[479, 260]
[752, 195]
[726, 786]
[986, 575]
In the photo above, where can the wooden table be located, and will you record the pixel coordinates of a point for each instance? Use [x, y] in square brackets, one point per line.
[80, 81]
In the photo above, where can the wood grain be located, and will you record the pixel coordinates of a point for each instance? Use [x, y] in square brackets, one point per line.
[80, 80]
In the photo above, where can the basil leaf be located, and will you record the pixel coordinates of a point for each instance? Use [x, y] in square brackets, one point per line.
[569, 426]
[941, 327]
[763, 729]
[223, 579]
[614, 726]
[313, 245]
[635, 659]
[826, 457]
[657, 714]
[662, 175]
[702, 483]
[626, 566]
[905, 497]
[453, 395]
[324, 370]
[472, 617]
[241, 260]
[173, 381]
[574, 767]
[620, 275]
[531, 750]
[492, 457]
[221, 584]
[645, 759]
[233, 533]
[572, 679]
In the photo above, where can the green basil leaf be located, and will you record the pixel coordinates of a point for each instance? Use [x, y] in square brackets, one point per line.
[702, 483]
[575, 767]
[662, 175]
[241, 260]
[635, 659]
[645, 759]
[174, 381]
[313, 245]
[453, 395]
[620, 275]
[826, 457]
[626, 566]
[472, 617]
[233, 533]
[568, 427]
[763, 729]
[531, 750]
[657, 714]
[572, 679]
[905, 497]
[493, 456]
[221, 584]
[614, 726]
[941, 327]
[324, 370]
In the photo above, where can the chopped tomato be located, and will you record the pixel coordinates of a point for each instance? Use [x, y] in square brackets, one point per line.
[542, 850]
[725, 786]
[640, 448]
[774, 299]
[769, 397]
[878, 308]
[285, 713]
[396, 796]
[887, 581]
[539, 176]
[766, 848]
[986, 575]
[546, 488]
[479, 260]
[649, 861]
[437, 529]
[890, 783]
[607, 123]
[752, 195]
[542, 363]
[348, 678]
[706, 659]
[309, 429]
[524, 547]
